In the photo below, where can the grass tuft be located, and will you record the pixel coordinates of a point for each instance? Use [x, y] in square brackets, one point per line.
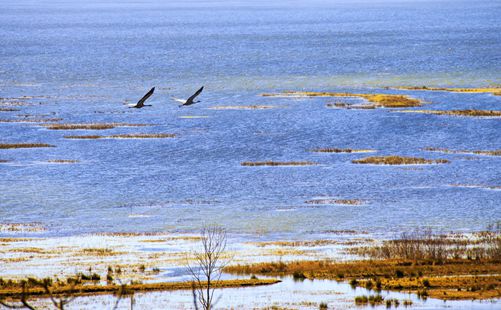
[23, 145]
[278, 163]
[398, 160]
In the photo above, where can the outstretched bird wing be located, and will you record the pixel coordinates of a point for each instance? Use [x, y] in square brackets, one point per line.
[190, 100]
[141, 101]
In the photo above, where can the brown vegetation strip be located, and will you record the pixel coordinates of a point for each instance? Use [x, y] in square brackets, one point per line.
[336, 150]
[397, 275]
[91, 126]
[9, 110]
[278, 163]
[23, 145]
[376, 100]
[470, 113]
[126, 136]
[4, 160]
[398, 160]
[94, 289]
[478, 152]
[494, 90]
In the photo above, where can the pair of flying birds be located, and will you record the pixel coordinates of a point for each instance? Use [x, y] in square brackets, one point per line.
[186, 102]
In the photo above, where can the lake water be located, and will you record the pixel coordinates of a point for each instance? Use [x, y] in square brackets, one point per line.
[82, 61]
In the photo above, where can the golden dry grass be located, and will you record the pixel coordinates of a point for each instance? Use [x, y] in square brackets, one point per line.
[398, 160]
[96, 289]
[23, 145]
[494, 90]
[278, 163]
[375, 100]
[478, 152]
[460, 279]
[337, 150]
[468, 113]
[90, 126]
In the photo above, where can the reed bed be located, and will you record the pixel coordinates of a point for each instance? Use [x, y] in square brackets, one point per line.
[468, 113]
[91, 126]
[24, 145]
[337, 150]
[398, 160]
[478, 152]
[278, 163]
[425, 245]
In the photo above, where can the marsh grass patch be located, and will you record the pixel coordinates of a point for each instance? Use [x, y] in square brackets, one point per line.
[125, 136]
[24, 145]
[347, 202]
[243, 107]
[398, 160]
[496, 91]
[278, 163]
[466, 113]
[476, 152]
[375, 100]
[339, 150]
[63, 161]
[90, 126]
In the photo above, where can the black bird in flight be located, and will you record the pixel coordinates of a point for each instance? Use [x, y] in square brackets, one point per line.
[190, 100]
[141, 101]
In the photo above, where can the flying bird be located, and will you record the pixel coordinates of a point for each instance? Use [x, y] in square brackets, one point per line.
[190, 100]
[141, 101]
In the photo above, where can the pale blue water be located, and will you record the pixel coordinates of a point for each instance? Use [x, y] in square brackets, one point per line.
[86, 59]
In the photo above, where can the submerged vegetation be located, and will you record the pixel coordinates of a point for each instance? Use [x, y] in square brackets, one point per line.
[470, 113]
[278, 163]
[398, 160]
[375, 100]
[23, 145]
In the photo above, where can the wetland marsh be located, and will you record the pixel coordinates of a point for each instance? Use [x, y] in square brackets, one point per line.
[324, 131]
